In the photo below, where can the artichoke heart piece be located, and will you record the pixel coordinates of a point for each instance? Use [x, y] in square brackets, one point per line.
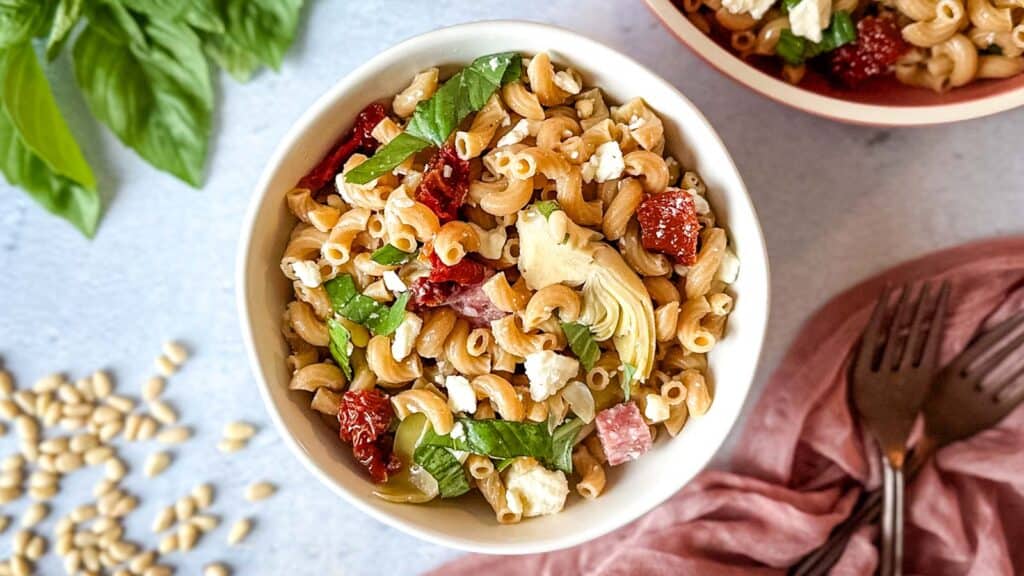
[616, 304]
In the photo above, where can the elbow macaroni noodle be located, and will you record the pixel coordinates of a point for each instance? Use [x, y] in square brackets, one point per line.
[531, 141]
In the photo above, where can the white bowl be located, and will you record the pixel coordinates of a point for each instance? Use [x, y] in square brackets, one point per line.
[468, 523]
[880, 102]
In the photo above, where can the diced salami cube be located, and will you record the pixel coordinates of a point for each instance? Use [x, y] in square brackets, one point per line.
[473, 304]
[623, 433]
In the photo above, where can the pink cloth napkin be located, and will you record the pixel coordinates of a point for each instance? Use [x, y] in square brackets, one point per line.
[802, 461]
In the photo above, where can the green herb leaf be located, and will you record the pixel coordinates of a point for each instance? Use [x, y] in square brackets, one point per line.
[394, 316]
[156, 99]
[464, 93]
[628, 374]
[582, 343]
[445, 468]
[67, 15]
[387, 157]
[31, 106]
[499, 439]
[263, 28]
[388, 255]
[22, 20]
[562, 442]
[500, 465]
[547, 207]
[234, 59]
[37, 150]
[58, 194]
[791, 48]
[795, 50]
[362, 309]
[340, 339]
[340, 290]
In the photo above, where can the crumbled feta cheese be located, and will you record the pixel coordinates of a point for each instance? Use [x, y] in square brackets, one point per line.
[447, 171]
[492, 241]
[809, 18]
[517, 134]
[656, 408]
[729, 269]
[458, 431]
[700, 203]
[606, 163]
[308, 273]
[405, 336]
[548, 372]
[567, 81]
[536, 490]
[635, 123]
[393, 282]
[461, 396]
[755, 8]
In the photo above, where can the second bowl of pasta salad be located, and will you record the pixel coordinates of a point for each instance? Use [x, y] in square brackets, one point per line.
[510, 290]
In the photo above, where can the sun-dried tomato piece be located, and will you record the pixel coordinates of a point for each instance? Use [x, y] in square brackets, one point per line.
[465, 272]
[878, 46]
[445, 184]
[364, 417]
[668, 224]
[459, 287]
[427, 294]
[358, 139]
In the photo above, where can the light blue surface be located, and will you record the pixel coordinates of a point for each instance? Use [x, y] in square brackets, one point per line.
[837, 203]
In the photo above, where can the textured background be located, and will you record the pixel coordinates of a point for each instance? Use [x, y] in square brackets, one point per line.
[838, 203]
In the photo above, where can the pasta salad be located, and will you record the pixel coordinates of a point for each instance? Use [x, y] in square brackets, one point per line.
[502, 284]
[934, 44]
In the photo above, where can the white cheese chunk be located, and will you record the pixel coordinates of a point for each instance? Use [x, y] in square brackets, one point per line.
[405, 336]
[458, 431]
[809, 18]
[729, 269]
[533, 489]
[393, 282]
[548, 372]
[517, 134]
[461, 396]
[308, 273]
[656, 408]
[567, 81]
[755, 8]
[606, 163]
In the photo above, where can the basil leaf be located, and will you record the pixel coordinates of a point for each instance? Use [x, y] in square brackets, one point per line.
[464, 93]
[445, 468]
[30, 105]
[338, 346]
[547, 207]
[386, 158]
[389, 255]
[628, 373]
[262, 28]
[362, 309]
[795, 50]
[582, 343]
[233, 58]
[500, 465]
[499, 439]
[394, 316]
[67, 15]
[156, 99]
[58, 194]
[562, 442]
[340, 290]
[22, 20]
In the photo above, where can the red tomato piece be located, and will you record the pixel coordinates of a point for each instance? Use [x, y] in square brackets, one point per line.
[445, 184]
[465, 272]
[364, 417]
[359, 139]
[668, 224]
[878, 46]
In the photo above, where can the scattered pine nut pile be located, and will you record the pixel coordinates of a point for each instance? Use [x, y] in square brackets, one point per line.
[64, 427]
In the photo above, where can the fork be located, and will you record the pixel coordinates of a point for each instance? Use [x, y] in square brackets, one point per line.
[889, 381]
[982, 385]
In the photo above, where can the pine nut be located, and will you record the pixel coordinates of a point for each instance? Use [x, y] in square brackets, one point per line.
[42, 493]
[122, 404]
[43, 401]
[52, 415]
[8, 495]
[54, 445]
[77, 411]
[98, 455]
[26, 400]
[125, 506]
[12, 462]
[34, 514]
[36, 548]
[20, 541]
[85, 539]
[91, 559]
[105, 524]
[163, 519]
[64, 526]
[105, 504]
[168, 544]
[153, 388]
[69, 394]
[140, 562]
[103, 487]
[187, 536]
[163, 412]
[20, 566]
[205, 522]
[147, 428]
[158, 570]
[69, 462]
[157, 463]
[239, 431]
[175, 352]
[102, 385]
[203, 495]
[184, 508]
[5, 521]
[6, 384]
[42, 478]
[83, 513]
[217, 569]
[72, 561]
[115, 469]
[111, 429]
[122, 551]
[83, 442]
[73, 423]
[259, 491]
[11, 479]
[48, 383]
[27, 428]
[230, 446]
[164, 366]
[175, 435]
[239, 530]
[8, 409]
[84, 386]
[104, 413]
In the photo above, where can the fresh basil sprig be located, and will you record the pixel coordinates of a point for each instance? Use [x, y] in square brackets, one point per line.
[340, 339]
[389, 255]
[795, 50]
[361, 309]
[437, 117]
[503, 439]
[582, 343]
[445, 468]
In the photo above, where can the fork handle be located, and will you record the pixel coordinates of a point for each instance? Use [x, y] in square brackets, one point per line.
[892, 521]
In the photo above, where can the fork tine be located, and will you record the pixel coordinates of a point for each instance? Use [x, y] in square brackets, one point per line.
[869, 342]
[995, 366]
[930, 354]
[996, 349]
[910, 354]
[985, 342]
[1012, 392]
[891, 358]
